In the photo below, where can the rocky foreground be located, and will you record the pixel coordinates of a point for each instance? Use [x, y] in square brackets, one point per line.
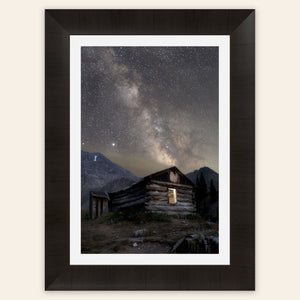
[148, 233]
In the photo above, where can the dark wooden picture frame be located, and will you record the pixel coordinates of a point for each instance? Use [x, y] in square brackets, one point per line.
[240, 25]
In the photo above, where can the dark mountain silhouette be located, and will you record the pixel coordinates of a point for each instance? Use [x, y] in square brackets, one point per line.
[98, 173]
[208, 174]
[209, 203]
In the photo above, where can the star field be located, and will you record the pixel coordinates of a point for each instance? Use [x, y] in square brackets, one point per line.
[148, 108]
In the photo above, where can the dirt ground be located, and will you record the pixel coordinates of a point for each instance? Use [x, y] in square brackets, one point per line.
[106, 236]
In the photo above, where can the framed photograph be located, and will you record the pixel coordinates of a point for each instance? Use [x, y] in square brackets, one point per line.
[149, 150]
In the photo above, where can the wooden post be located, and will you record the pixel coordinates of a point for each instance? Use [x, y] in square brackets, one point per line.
[91, 206]
[97, 208]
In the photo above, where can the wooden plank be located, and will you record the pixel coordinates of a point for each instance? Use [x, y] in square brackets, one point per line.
[187, 196]
[129, 190]
[165, 199]
[171, 184]
[129, 204]
[127, 200]
[184, 201]
[184, 192]
[156, 193]
[129, 195]
[157, 200]
[179, 199]
[155, 187]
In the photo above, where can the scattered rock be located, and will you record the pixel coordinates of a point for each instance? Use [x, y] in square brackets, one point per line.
[134, 244]
[141, 232]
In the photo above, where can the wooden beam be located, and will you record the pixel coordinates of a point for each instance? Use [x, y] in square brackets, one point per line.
[171, 184]
[129, 204]
[164, 198]
[156, 187]
[157, 193]
[126, 191]
[127, 199]
[184, 192]
[128, 195]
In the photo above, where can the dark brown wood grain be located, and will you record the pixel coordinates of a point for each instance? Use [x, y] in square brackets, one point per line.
[239, 24]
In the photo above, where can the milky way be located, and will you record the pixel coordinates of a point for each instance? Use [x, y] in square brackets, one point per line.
[148, 108]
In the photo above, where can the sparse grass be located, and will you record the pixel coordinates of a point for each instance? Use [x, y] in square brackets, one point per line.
[135, 216]
[114, 232]
[192, 217]
[117, 247]
[208, 226]
[98, 237]
[84, 214]
[157, 217]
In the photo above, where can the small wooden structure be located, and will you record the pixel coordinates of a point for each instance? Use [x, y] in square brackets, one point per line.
[98, 204]
[168, 191]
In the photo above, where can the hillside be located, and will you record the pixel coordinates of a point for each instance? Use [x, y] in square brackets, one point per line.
[99, 173]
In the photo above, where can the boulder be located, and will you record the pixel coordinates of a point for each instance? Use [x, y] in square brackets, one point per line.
[196, 243]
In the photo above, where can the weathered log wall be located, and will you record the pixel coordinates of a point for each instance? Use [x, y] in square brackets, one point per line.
[133, 196]
[157, 198]
[154, 194]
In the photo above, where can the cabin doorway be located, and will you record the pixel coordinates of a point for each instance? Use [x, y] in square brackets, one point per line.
[102, 206]
[172, 195]
[98, 207]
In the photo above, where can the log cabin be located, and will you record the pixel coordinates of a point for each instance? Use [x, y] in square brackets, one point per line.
[168, 191]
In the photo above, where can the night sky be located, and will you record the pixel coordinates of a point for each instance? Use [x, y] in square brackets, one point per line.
[149, 108]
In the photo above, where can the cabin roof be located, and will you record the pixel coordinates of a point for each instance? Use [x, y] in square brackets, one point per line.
[174, 168]
[128, 187]
[100, 194]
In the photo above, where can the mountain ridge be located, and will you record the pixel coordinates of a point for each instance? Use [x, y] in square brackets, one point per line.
[99, 173]
[208, 173]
